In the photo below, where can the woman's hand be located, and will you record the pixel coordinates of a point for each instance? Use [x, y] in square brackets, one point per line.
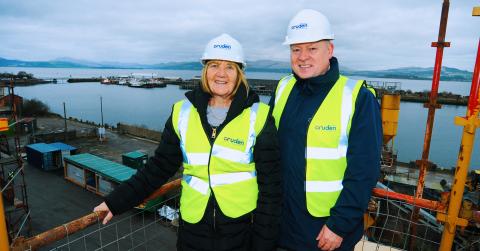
[104, 207]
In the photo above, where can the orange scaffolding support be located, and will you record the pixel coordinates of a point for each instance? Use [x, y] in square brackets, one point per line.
[470, 124]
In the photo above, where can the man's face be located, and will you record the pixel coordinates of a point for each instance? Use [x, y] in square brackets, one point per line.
[311, 59]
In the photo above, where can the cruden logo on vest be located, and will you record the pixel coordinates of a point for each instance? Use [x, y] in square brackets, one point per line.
[234, 141]
[325, 127]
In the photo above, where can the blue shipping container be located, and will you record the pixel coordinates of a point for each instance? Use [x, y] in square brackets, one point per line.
[43, 156]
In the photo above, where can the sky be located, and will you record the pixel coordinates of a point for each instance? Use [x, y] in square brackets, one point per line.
[369, 34]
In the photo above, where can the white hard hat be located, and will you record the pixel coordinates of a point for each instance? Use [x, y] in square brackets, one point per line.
[308, 26]
[224, 47]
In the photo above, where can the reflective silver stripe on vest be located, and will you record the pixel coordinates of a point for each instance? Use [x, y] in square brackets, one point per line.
[323, 186]
[251, 131]
[324, 153]
[346, 112]
[230, 154]
[243, 157]
[189, 158]
[182, 127]
[217, 180]
[197, 158]
[281, 87]
[230, 178]
[196, 183]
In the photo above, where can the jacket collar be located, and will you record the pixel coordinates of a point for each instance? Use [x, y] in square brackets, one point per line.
[240, 101]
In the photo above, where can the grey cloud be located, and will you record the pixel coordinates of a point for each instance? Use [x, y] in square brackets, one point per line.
[370, 34]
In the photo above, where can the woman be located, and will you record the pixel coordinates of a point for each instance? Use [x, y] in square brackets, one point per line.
[226, 141]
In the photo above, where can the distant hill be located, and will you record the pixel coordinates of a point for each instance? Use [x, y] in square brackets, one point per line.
[448, 73]
[53, 64]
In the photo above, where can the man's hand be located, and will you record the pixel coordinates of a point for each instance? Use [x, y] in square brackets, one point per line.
[103, 207]
[328, 240]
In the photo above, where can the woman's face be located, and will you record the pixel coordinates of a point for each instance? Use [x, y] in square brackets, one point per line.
[222, 78]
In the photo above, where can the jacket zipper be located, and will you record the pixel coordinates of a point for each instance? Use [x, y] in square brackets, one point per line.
[306, 145]
[214, 132]
[212, 137]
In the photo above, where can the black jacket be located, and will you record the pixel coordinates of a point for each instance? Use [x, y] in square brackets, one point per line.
[299, 228]
[215, 231]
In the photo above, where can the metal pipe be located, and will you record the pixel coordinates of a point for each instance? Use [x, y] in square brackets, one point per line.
[470, 124]
[58, 233]
[419, 202]
[473, 101]
[3, 227]
[27, 217]
[74, 226]
[432, 105]
[65, 120]
[164, 189]
[16, 122]
[12, 178]
[101, 109]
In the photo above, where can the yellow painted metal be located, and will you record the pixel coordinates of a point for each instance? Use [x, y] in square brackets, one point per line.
[476, 11]
[390, 110]
[456, 195]
[368, 221]
[3, 124]
[470, 124]
[3, 227]
[458, 221]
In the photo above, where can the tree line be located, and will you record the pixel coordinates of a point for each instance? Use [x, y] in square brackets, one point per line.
[19, 75]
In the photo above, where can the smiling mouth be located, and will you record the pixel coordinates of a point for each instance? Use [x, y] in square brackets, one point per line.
[305, 66]
[220, 82]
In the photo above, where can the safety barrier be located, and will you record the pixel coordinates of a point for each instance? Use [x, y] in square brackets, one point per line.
[388, 225]
[149, 228]
[391, 217]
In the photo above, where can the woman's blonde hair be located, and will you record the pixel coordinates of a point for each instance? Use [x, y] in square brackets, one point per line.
[241, 79]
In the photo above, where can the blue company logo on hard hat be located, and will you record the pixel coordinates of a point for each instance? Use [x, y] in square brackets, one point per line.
[325, 127]
[299, 26]
[222, 46]
[234, 141]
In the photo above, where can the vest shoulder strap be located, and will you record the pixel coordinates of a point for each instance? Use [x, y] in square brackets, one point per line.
[179, 110]
[263, 111]
[370, 88]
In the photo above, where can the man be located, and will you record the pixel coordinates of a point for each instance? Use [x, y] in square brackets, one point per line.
[330, 135]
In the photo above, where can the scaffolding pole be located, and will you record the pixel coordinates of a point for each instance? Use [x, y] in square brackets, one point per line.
[470, 124]
[432, 105]
[3, 227]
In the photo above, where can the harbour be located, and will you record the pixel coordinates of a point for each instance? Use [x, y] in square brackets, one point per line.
[151, 107]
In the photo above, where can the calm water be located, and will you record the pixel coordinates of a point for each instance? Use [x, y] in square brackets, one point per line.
[151, 107]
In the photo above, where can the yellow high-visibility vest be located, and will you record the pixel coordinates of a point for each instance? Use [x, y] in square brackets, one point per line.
[226, 168]
[327, 141]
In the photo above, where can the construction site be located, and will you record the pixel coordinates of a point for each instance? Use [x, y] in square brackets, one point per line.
[54, 171]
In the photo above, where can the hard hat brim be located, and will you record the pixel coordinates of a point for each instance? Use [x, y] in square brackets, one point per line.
[205, 60]
[301, 41]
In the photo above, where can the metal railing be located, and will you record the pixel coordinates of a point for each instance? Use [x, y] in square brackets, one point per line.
[391, 217]
[142, 230]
